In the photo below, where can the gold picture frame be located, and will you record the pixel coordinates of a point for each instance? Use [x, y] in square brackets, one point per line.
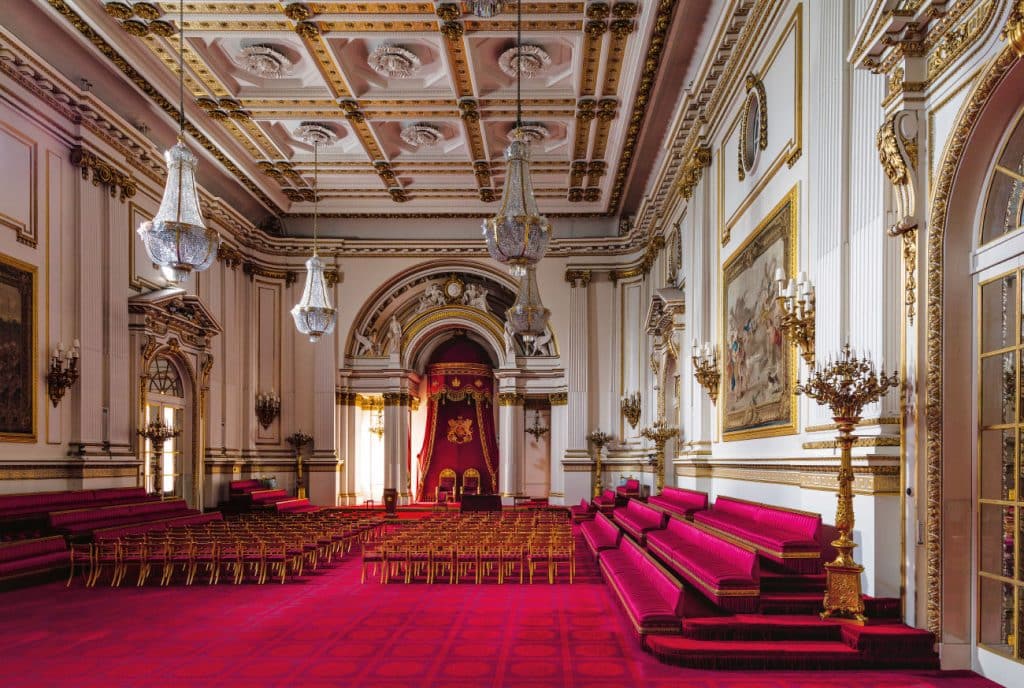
[18, 375]
[759, 366]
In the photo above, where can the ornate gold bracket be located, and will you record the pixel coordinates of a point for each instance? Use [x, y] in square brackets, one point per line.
[896, 141]
[694, 170]
[103, 173]
[1013, 32]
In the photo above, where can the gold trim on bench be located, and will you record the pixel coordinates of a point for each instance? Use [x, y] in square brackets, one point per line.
[696, 580]
[736, 539]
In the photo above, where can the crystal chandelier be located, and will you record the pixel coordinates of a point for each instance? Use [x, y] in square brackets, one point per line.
[486, 8]
[528, 316]
[314, 315]
[518, 234]
[177, 239]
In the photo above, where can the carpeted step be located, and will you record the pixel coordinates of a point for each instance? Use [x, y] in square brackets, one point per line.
[752, 627]
[794, 654]
[805, 603]
[792, 582]
[890, 639]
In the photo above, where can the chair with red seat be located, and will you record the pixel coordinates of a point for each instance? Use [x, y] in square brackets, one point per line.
[628, 490]
[471, 482]
[445, 486]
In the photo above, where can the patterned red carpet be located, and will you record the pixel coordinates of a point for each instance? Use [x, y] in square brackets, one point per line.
[331, 631]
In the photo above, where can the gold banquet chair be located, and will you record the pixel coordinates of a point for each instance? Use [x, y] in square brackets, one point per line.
[445, 486]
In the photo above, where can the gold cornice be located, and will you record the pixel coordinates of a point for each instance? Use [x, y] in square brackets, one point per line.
[67, 471]
[558, 398]
[694, 170]
[511, 399]
[103, 173]
[345, 398]
[574, 275]
[370, 402]
[863, 422]
[252, 269]
[871, 441]
[868, 480]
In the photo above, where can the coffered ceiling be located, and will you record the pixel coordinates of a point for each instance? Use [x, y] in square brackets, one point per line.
[416, 100]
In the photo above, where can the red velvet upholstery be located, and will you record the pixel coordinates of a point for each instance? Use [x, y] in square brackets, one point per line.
[605, 501]
[651, 597]
[445, 489]
[116, 532]
[30, 557]
[82, 521]
[601, 534]
[268, 497]
[637, 519]
[295, 506]
[631, 489]
[584, 511]
[786, 537]
[471, 485]
[726, 573]
[25, 515]
[677, 500]
[239, 487]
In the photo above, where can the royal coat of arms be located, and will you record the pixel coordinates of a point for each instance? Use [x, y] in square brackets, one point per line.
[460, 430]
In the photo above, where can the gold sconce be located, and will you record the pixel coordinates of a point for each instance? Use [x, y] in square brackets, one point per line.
[268, 406]
[63, 371]
[631, 409]
[377, 426]
[659, 433]
[298, 440]
[796, 298]
[157, 432]
[598, 439]
[706, 368]
[537, 430]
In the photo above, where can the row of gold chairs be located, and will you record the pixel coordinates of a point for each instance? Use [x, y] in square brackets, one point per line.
[255, 546]
[477, 547]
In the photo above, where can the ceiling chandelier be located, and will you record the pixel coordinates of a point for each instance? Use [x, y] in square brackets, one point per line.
[314, 315]
[485, 8]
[518, 234]
[177, 239]
[528, 316]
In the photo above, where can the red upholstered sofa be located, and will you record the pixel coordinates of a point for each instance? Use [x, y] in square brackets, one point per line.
[605, 501]
[268, 497]
[726, 573]
[638, 519]
[601, 534]
[677, 500]
[32, 557]
[21, 515]
[584, 511]
[628, 490]
[241, 487]
[84, 521]
[115, 532]
[785, 536]
[651, 597]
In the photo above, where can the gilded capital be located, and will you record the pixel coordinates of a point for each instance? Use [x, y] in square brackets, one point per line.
[397, 398]
[558, 398]
[511, 399]
[103, 173]
[578, 278]
[344, 398]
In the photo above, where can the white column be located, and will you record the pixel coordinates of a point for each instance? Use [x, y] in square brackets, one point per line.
[120, 421]
[396, 443]
[346, 409]
[559, 440]
[576, 356]
[510, 443]
[323, 464]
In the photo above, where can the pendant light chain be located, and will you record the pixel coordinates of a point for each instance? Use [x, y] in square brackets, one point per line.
[519, 64]
[316, 189]
[181, 69]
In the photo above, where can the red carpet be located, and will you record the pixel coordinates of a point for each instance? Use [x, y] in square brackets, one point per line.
[331, 631]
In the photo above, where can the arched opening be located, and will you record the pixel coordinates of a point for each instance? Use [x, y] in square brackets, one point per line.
[975, 269]
[168, 464]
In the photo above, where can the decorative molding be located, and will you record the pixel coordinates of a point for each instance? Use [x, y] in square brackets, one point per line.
[746, 158]
[345, 398]
[694, 170]
[559, 398]
[68, 471]
[1013, 32]
[870, 441]
[397, 399]
[867, 480]
[252, 270]
[578, 277]
[103, 173]
[511, 399]
[863, 422]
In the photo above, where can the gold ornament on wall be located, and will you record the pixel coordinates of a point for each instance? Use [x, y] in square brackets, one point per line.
[630, 406]
[1013, 32]
[753, 136]
[797, 303]
[706, 368]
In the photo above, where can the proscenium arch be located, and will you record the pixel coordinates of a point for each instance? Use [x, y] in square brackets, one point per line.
[965, 160]
[381, 298]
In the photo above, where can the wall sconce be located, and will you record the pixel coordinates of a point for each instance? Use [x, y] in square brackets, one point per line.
[631, 409]
[797, 301]
[63, 371]
[537, 430]
[706, 369]
[158, 432]
[268, 406]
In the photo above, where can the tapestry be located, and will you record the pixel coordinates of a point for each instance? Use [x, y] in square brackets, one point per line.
[459, 433]
[759, 365]
[17, 347]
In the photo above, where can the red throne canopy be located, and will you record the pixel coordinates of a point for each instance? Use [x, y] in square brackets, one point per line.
[460, 418]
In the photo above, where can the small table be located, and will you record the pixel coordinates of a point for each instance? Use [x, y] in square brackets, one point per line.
[368, 504]
[519, 500]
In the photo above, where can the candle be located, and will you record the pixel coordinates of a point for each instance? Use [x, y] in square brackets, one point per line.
[75, 344]
[801, 277]
[791, 288]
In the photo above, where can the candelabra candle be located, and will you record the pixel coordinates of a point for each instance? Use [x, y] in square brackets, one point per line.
[63, 372]
[268, 406]
[846, 385]
[598, 439]
[298, 440]
[797, 302]
[157, 432]
[660, 433]
[706, 368]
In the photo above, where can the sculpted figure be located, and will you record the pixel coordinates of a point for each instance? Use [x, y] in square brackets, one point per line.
[395, 328]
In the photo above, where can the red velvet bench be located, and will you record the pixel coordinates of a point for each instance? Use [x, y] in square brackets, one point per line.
[295, 506]
[83, 521]
[628, 490]
[785, 536]
[726, 573]
[26, 558]
[267, 498]
[651, 597]
[677, 500]
[638, 519]
[584, 511]
[156, 526]
[601, 534]
[605, 501]
[241, 487]
[23, 515]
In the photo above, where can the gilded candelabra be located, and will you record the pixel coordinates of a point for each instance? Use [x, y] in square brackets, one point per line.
[298, 440]
[268, 406]
[598, 439]
[631, 409]
[659, 433]
[845, 386]
[157, 432]
[63, 371]
[537, 430]
[706, 368]
[796, 299]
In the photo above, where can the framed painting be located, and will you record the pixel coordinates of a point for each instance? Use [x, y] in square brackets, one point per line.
[758, 363]
[17, 351]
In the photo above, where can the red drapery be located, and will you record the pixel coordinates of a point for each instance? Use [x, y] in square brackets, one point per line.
[460, 419]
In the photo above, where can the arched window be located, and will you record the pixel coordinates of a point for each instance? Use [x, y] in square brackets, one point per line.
[1000, 412]
[164, 379]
